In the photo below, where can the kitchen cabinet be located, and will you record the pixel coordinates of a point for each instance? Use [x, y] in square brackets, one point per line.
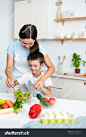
[68, 88]
[84, 91]
[54, 92]
[36, 13]
[20, 16]
[73, 89]
[56, 88]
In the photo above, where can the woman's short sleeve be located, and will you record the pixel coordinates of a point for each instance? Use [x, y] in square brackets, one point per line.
[42, 50]
[10, 49]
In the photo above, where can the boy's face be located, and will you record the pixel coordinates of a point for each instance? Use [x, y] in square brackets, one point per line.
[35, 66]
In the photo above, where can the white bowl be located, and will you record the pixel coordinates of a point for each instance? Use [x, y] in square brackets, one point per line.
[62, 35]
[68, 35]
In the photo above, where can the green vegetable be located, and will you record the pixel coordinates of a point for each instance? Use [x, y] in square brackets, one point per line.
[27, 94]
[43, 101]
[22, 96]
[1, 102]
[19, 93]
[24, 100]
[0, 107]
[17, 105]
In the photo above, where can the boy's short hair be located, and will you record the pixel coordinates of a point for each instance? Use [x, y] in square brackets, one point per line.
[36, 56]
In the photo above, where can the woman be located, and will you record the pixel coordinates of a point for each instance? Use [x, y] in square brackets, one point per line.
[17, 53]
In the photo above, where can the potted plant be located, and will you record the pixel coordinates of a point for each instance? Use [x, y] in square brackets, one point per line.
[76, 62]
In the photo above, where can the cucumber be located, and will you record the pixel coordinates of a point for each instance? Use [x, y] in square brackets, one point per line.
[43, 101]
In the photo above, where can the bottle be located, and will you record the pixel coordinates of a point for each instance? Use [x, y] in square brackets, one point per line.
[59, 13]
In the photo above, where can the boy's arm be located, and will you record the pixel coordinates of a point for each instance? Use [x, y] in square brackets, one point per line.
[20, 80]
[46, 90]
[16, 83]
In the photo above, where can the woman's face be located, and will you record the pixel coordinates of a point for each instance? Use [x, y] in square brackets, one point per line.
[27, 43]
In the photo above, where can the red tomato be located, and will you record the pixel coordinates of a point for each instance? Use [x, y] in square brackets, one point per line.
[51, 101]
[46, 99]
[21, 98]
[41, 104]
[4, 105]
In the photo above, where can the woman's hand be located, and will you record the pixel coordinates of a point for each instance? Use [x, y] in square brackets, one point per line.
[39, 85]
[10, 83]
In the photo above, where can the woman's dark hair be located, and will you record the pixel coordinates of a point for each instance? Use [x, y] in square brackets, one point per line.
[36, 56]
[30, 31]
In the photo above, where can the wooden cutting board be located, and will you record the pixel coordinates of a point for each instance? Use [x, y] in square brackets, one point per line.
[8, 111]
[82, 76]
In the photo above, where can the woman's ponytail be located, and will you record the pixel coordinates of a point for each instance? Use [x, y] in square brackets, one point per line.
[35, 47]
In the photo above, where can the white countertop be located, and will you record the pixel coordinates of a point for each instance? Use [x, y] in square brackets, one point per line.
[55, 74]
[18, 120]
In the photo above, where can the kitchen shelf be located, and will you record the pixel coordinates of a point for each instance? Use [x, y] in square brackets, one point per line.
[68, 19]
[62, 40]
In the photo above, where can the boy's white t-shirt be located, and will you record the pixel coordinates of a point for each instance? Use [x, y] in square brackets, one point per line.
[29, 77]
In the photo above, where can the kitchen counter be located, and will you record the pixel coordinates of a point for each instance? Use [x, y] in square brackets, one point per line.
[56, 74]
[70, 77]
[18, 120]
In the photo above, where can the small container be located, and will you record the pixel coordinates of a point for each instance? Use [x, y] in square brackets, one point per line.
[71, 13]
[60, 67]
[77, 71]
[59, 13]
[66, 14]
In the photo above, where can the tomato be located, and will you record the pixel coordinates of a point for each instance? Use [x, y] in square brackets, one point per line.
[46, 99]
[51, 101]
[41, 104]
[4, 105]
[21, 98]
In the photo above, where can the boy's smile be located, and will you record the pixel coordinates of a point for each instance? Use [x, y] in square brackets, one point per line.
[35, 67]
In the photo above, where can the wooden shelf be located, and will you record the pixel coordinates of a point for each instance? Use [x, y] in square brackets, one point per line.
[62, 40]
[68, 19]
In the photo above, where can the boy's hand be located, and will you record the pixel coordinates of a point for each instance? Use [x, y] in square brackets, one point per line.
[9, 83]
[39, 85]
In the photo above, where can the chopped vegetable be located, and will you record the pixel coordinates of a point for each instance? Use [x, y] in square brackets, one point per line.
[27, 94]
[22, 96]
[19, 93]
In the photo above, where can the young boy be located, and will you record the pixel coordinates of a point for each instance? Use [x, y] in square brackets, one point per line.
[36, 62]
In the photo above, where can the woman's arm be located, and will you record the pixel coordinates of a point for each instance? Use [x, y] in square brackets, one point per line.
[9, 65]
[46, 90]
[48, 73]
[50, 67]
[9, 70]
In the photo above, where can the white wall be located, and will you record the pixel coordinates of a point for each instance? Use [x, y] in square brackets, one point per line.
[6, 36]
[55, 48]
